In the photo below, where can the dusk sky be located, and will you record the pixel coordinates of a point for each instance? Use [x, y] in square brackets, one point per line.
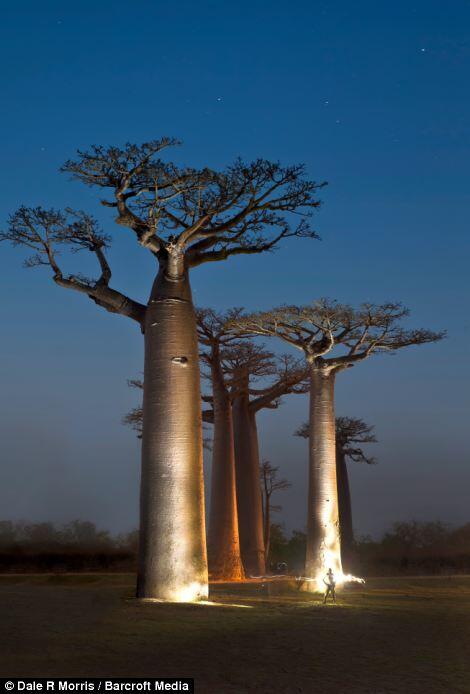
[375, 99]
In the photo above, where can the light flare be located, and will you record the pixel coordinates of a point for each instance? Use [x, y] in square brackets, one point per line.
[340, 579]
[193, 592]
[224, 604]
[205, 603]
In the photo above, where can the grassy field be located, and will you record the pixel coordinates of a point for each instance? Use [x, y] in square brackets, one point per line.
[407, 635]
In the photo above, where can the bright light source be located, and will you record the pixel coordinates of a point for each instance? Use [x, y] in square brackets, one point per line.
[340, 579]
[193, 592]
[205, 603]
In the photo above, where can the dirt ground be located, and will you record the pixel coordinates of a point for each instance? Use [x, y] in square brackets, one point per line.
[392, 635]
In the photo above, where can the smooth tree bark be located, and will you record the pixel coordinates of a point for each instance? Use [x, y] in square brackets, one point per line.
[270, 484]
[333, 337]
[250, 511]
[223, 539]
[350, 433]
[247, 402]
[172, 556]
[323, 532]
[134, 418]
[184, 218]
[225, 561]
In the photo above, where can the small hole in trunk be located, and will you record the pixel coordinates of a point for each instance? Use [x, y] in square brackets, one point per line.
[182, 361]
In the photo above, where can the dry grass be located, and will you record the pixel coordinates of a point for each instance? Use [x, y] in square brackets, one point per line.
[410, 636]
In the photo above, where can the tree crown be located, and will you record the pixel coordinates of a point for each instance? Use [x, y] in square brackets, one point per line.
[335, 336]
[243, 363]
[270, 483]
[246, 208]
[183, 216]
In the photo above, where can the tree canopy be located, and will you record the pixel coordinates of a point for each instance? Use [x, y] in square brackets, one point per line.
[183, 216]
[336, 336]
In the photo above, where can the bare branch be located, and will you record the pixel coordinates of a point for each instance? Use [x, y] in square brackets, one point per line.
[270, 481]
[48, 231]
[293, 377]
[336, 336]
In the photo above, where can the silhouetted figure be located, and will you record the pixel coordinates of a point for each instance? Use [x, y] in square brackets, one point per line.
[330, 584]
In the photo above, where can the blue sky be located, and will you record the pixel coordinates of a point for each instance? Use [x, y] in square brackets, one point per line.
[374, 98]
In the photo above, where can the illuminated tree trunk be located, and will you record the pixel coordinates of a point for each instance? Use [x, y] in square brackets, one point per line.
[172, 552]
[345, 511]
[323, 537]
[250, 513]
[223, 541]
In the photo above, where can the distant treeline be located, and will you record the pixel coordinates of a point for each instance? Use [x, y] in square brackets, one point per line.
[75, 546]
[417, 548]
[408, 548]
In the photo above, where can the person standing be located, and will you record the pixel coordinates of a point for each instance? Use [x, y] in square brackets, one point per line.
[330, 584]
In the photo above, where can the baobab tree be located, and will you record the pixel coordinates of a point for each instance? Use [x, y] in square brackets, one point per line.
[270, 484]
[333, 337]
[183, 217]
[351, 433]
[223, 544]
[287, 375]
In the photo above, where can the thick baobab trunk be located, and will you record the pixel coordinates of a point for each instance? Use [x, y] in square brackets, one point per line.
[323, 537]
[345, 511]
[250, 514]
[223, 541]
[172, 553]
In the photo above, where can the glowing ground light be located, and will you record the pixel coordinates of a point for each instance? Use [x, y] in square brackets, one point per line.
[194, 592]
[224, 604]
[191, 593]
[330, 552]
[205, 603]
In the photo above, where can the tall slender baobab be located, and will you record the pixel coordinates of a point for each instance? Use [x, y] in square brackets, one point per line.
[183, 217]
[223, 544]
[351, 432]
[347, 336]
[289, 376]
[270, 484]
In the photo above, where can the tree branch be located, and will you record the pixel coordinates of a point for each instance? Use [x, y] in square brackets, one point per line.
[45, 231]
